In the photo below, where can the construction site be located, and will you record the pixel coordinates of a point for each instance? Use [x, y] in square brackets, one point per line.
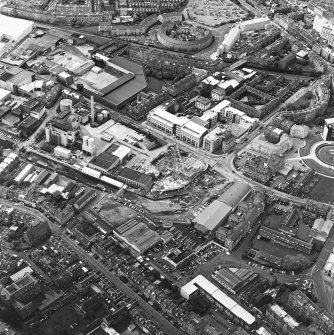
[177, 169]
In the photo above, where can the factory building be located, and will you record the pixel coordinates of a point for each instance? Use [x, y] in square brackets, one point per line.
[136, 236]
[88, 145]
[62, 131]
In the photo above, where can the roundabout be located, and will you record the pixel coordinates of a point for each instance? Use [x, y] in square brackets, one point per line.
[325, 153]
[318, 155]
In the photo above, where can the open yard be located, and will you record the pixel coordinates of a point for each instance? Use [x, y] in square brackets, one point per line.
[274, 249]
[115, 213]
[159, 206]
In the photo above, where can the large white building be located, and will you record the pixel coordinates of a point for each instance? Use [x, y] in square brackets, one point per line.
[324, 26]
[183, 128]
[255, 24]
[230, 39]
[213, 140]
[13, 30]
[261, 145]
[226, 304]
[165, 121]
[192, 133]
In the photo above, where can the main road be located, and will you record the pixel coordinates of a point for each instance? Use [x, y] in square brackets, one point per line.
[163, 323]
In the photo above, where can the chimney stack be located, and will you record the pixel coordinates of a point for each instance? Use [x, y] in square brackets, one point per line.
[92, 109]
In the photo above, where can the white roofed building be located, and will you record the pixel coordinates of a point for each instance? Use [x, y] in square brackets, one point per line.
[14, 29]
[213, 140]
[122, 152]
[318, 224]
[261, 145]
[255, 24]
[4, 94]
[281, 321]
[226, 304]
[161, 119]
[220, 108]
[232, 36]
[212, 216]
[192, 134]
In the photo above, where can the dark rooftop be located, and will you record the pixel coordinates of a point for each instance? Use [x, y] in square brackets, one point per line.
[137, 176]
[106, 160]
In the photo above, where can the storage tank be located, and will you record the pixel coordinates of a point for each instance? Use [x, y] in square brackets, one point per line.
[85, 140]
[99, 117]
[91, 142]
[48, 134]
[105, 114]
[65, 104]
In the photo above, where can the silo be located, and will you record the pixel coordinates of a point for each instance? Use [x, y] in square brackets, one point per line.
[85, 141]
[91, 142]
[65, 104]
[48, 134]
[99, 117]
[105, 114]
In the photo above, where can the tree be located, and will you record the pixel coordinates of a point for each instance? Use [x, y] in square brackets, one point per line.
[319, 120]
[295, 263]
[199, 304]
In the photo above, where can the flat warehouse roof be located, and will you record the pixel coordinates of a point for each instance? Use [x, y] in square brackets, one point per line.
[13, 27]
[212, 215]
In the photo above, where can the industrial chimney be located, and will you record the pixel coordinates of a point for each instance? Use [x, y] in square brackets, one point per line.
[92, 109]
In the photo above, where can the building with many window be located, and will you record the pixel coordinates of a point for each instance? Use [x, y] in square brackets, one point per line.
[227, 305]
[262, 169]
[202, 103]
[286, 240]
[281, 321]
[328, 132]
[192, 134]
[305, 307]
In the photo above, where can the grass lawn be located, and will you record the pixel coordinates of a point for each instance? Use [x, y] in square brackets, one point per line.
[323, 190]
[302, 102]
[274, 249]
[309, 143]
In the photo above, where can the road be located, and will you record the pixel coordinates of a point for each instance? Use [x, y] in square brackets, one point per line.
[164, 324]
[324, 291]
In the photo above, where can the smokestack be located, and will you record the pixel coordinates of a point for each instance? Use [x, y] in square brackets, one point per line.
[92, 109]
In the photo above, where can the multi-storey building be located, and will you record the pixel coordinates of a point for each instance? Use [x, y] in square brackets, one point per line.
[228, 306]
[281, 321]
[213, 141]
[202, 103]
[228, 142]
[305, 307]
[22, 288]
[192, 134]
[153, 6]
[62, 131]
[286, 240]
[262, 169]
[328, 132]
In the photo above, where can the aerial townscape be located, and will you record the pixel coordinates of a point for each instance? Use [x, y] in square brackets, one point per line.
[166, 167]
